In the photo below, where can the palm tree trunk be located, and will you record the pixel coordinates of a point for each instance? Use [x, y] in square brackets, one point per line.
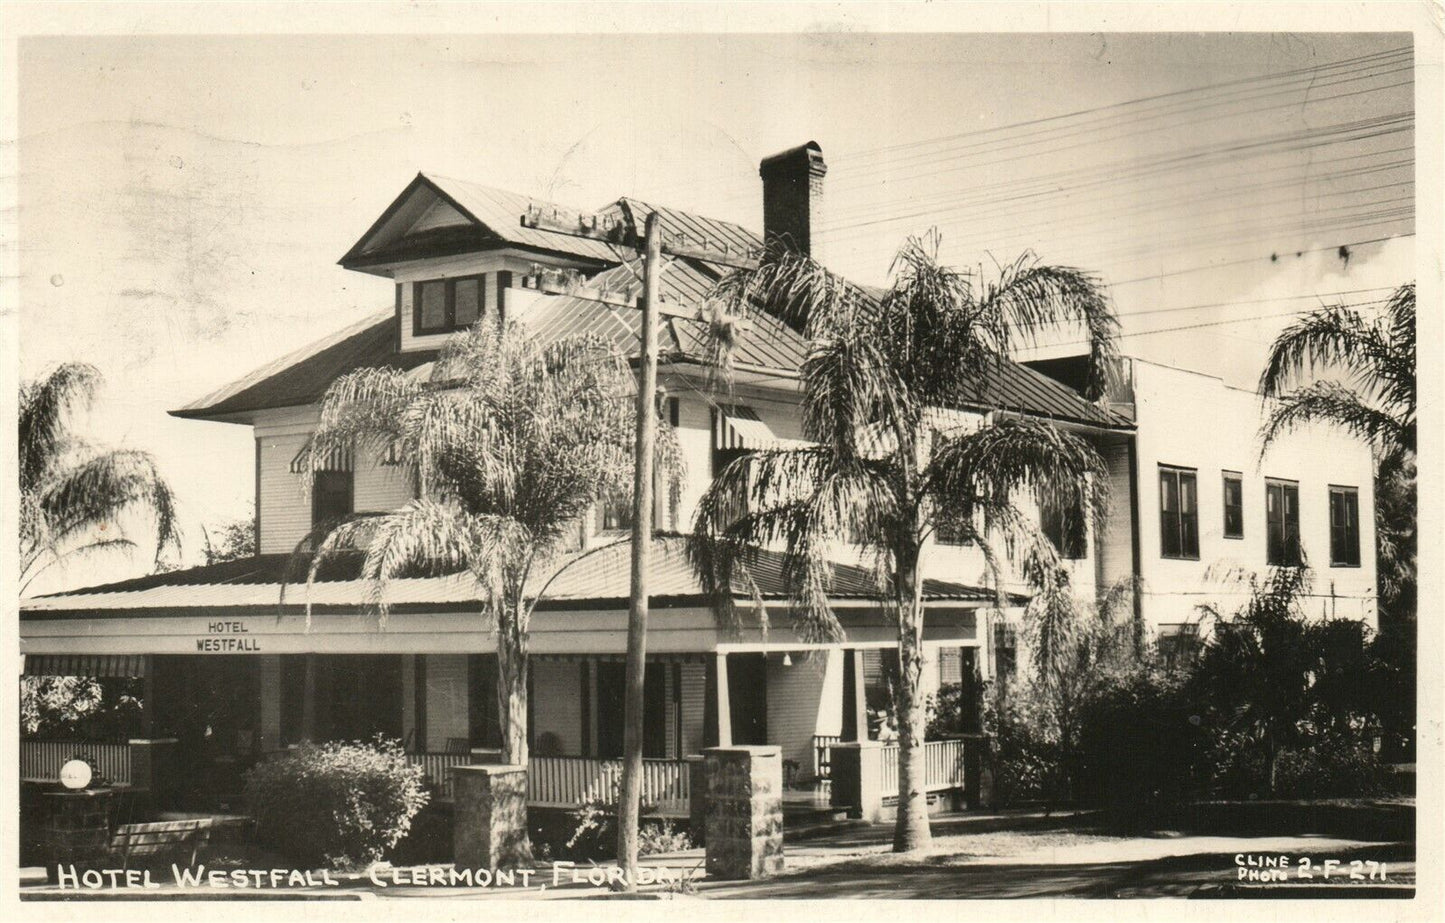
[911, 831]
[512, 692]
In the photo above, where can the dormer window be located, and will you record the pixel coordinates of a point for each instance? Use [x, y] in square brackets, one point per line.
[447, 305]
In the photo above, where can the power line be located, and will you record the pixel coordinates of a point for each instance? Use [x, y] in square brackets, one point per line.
[1364, 129]
[1310, 73]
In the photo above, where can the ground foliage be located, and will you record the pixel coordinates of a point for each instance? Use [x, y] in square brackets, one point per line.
[338, 804]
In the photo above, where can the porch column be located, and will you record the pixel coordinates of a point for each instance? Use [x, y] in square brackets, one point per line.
[308, 700]
[717, 708]
[148, 694]
[270, 703]
[855, 699]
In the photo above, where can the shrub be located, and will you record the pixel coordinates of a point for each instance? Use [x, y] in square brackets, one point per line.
[340, 804]
[595, 836]
[1139, 741]
[1334, 767]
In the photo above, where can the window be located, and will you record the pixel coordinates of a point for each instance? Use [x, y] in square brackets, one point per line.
[1178, 513]
[447, 305]
[331, 496]
[1281, 501]
[1344, 527]
[950, 530]
[614, 514]
[1233, 505]
[1064, 527]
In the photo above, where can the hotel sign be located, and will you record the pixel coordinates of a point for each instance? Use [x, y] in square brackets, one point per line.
[227, 637]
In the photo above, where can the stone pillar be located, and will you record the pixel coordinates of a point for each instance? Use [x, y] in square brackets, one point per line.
[978, 772]
[744, 827]
[857, 776]
[77, 831]
[489, 823]
[697, 797]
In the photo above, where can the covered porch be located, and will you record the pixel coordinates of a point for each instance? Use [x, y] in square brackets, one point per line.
[232, 674]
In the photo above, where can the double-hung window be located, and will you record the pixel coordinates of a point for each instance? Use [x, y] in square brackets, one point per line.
[1178, 512]
[1233, 505]
[447, 305]
[1344, 527]
[1065, 527]
[1281, 507]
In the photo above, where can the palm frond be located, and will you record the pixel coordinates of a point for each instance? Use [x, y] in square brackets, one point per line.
[987, 466]
[1329, 338]
[1031, 297]
[1334, 404]
[101, 488]
[44, 407]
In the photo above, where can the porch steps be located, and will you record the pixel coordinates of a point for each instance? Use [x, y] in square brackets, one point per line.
[802, 820]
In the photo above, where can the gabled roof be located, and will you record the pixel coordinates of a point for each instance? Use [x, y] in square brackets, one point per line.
[477, 218]
[598, 579]
[458, 214]
[302, 377]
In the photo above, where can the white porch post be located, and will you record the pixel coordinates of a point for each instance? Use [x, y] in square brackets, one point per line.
[724, 705]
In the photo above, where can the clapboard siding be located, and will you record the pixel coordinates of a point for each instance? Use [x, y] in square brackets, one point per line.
[285, 502]
[795, 702]
[557, 704]
[446, 699]
[694, 690]
[1115, 535]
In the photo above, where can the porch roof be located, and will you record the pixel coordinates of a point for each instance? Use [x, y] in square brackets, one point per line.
[597, 579]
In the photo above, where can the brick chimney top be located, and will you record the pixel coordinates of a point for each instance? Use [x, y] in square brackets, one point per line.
[792, 196]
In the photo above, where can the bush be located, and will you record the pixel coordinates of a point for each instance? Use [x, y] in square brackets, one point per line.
[1336, 767]
[595, 836]
[338, 804]
[1139, 741]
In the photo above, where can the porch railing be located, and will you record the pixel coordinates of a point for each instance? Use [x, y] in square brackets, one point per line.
[437, 767]
[943, 766]
[822, 748]
[40, 760]
[568, 781]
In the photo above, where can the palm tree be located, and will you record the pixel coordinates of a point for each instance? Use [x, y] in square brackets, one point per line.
[74, 495]
[886, 466]
[1372, 361]
[510, 442]
[1368, 389]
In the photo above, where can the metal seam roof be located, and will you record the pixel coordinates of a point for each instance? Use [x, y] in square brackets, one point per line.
[601, 575]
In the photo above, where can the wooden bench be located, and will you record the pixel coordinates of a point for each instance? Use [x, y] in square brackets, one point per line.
[168, 839]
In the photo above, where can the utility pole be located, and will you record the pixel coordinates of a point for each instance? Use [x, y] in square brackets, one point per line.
[610, 230]
[629, 808]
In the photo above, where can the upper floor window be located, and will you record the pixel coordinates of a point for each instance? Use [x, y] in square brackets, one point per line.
[1281, 501]
[1233, 505]
[1064, 527]
[950, 527]
[1178, 512]
[614, 514]
[1344, 527]
[447, 305]
[332, 496]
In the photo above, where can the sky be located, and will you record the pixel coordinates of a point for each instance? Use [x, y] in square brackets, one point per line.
[183, 200]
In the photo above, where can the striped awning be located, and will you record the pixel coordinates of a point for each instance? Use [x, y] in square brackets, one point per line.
[739, 427]
[110, 665]
[339, 459]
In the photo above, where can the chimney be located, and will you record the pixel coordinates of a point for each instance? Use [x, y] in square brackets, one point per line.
[793, 197]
